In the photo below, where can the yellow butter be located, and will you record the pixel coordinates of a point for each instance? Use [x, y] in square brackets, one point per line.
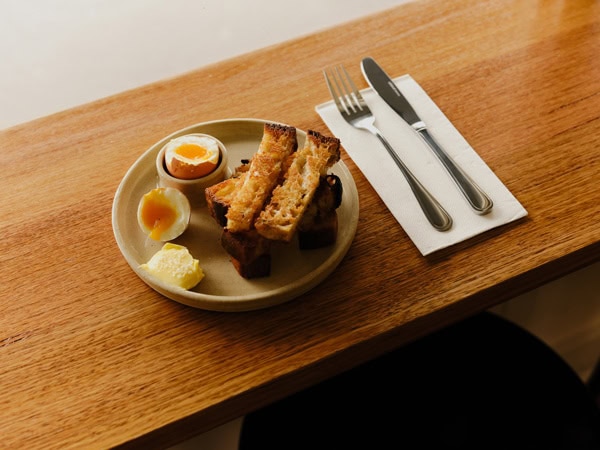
[175, 265]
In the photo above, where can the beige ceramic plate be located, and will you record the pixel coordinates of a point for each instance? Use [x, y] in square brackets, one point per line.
[293, 272]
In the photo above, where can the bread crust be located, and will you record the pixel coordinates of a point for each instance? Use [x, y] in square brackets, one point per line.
[219, 197]
[299, 182]
[322, 232]
[250, 253]
[319, 225]
[280, 218]
[264, 173]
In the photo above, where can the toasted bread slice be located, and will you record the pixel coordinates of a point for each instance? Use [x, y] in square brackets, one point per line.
[266, 167]
[250, 253]
[319, 225]
[322, 232]
[280, 218]
[245, 246]
[258, 268]
[219, 197]
[327, 198]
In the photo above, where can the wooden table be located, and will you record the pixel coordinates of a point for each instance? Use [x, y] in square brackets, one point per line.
[92, 357]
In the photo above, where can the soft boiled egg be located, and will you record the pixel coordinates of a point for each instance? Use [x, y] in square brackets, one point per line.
[164, 213]
[191, 156]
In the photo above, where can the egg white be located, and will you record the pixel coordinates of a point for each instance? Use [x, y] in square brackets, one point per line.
[179, 204]
[183, 162]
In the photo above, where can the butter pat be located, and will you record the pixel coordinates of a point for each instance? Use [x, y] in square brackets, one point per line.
[175, 265]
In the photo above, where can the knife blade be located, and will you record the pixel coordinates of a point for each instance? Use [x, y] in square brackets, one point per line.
[389, 92]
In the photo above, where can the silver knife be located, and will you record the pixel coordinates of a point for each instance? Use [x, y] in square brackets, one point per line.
[389, 92]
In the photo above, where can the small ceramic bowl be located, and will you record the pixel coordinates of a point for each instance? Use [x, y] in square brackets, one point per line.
[193, 189]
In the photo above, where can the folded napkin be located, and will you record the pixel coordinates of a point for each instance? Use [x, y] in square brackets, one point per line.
[379, 168]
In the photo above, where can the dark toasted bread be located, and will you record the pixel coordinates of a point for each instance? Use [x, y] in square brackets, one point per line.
[289, 201]
[218, 198]
[298, 178]
[319, 225]
[249, 251]
[266, 167]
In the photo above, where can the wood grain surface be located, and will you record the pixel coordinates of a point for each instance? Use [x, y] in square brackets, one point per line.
[91, 357]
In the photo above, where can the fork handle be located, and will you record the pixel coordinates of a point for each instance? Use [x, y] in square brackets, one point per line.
[435, 213]
[479, 200]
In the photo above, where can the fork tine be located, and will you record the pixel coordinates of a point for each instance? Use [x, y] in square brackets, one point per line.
[343, 77]
[337, 98]
[341, 81]
[359, 102]
[341, 88]
[347, 99]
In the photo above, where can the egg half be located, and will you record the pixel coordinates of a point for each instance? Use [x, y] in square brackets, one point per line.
[191, 156]
[164, 213]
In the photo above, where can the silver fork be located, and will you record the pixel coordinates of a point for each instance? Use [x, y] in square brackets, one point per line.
[356, 112]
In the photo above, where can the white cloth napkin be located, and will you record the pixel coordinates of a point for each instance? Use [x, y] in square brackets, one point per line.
[378, 167]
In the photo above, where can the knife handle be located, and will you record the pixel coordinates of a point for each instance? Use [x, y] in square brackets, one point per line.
[477, 198]
[435, 213]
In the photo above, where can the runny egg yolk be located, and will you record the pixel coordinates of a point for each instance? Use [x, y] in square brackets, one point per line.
[163, 213]
[157, 214]
[191, 151]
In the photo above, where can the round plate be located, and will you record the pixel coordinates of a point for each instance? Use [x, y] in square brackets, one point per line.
[293, 271]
